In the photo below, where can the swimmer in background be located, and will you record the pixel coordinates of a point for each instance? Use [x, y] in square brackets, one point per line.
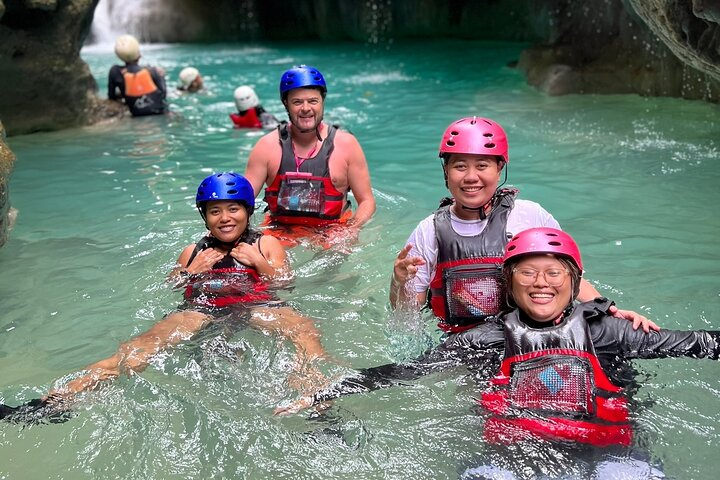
[250, 113]
[190, 80]
[141, 88]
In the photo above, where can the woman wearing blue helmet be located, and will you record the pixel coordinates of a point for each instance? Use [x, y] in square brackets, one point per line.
[224, 275]
[309, 167]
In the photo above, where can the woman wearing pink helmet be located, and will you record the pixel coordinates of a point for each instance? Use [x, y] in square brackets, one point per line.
[562, 368]
[454, 256]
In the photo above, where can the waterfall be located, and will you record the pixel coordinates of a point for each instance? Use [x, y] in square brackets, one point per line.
[113, 18]
[153, 21]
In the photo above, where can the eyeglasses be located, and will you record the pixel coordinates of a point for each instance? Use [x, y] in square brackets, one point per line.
[554, 277]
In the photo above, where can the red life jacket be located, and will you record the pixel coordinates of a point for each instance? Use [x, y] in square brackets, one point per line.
[248, 119]
[552, 386]
[227, 283]
[305, 195]
[467, 286]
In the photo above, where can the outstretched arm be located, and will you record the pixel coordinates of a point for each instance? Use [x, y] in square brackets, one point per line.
[478, 349]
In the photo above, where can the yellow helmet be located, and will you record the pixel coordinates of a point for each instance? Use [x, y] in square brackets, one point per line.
[127, 48]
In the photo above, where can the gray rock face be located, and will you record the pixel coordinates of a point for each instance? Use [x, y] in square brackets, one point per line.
[610, 50]
[691, 30]
[44, 83]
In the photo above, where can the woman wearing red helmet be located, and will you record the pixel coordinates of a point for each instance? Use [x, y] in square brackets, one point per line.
[561, 366]
[454, 256]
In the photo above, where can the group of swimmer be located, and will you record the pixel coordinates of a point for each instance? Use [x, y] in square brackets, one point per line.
[143, 89]
[504, 281]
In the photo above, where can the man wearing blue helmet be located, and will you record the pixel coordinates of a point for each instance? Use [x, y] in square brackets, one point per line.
[227, 275]
[309, 166]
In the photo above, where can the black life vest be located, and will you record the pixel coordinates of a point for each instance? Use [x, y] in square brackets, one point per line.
[552, 386]
[467, 286]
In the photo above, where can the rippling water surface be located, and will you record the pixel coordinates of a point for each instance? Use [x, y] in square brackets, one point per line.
[105, 210]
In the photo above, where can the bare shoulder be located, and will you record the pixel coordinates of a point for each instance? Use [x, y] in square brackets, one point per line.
[268, 140]
[343, 136]
[185, 254]
[347, 145]
[269, 243]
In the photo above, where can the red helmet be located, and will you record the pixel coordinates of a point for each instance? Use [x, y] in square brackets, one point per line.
[475, 135]
[543, 240]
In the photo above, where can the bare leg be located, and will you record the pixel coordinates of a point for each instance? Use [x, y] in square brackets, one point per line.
[134, 355]
[301, 331]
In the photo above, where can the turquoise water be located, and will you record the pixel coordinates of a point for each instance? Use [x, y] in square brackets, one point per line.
[105, 210]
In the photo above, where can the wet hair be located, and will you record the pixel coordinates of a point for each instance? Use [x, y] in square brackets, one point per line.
[575, 276]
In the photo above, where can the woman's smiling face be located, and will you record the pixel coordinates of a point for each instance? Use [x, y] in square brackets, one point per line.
[541, 286]
[226, 219]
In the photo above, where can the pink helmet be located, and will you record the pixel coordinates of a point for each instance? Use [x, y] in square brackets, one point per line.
[475, 135]
[543, 240]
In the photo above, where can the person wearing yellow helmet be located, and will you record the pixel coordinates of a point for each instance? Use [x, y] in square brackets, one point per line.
[141, 88]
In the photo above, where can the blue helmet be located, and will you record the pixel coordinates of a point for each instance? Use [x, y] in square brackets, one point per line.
[302, 76]
[225, 186]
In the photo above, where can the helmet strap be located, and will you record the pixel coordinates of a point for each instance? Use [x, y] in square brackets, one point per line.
[505, 167]
[481, 211]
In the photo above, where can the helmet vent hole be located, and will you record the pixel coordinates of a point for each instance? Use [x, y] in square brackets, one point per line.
[489, 145]
[450, 143]
[232, 191]
[554, 243]
[488, 135]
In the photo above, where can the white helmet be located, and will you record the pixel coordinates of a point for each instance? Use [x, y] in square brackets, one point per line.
[245, 98]
[188, 75]
[127, 48]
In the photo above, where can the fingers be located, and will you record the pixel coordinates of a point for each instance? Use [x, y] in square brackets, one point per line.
[636, 319]
[404, 252]
[293, 407]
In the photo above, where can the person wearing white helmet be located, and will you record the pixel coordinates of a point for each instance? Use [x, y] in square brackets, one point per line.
[190, 80]
[141, 88]
[250, 113]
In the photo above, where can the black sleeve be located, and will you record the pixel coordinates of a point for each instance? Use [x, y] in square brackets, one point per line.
[477, 349]
[159, 81]
[616, 336]
[115, 83]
